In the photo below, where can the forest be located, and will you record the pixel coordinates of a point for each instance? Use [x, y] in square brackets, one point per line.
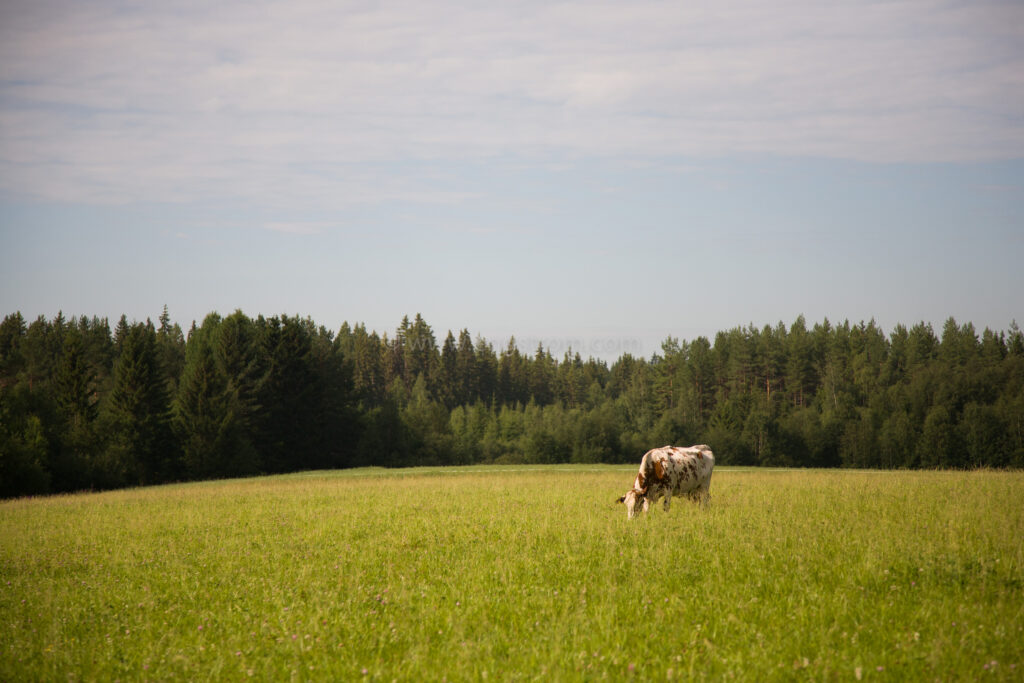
[84, 407]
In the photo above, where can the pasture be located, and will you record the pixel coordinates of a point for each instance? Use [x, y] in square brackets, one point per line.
[506, 573]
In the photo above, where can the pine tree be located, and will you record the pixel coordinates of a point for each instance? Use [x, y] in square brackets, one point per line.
[216, 407]
[421, 354]
[466, 375]
[75, 384]
[200, 407]
[922, 345]
[121, 332]
[12, 335]
[668, 369]
[541, 375]
[369, 358]
[571, 387]
[141, 449]
[290, 430]
[336, 410]
[703, 377]
[170, 349]
[486, 378]
[40, 354]
[446, 383]
[1016, 344]
[513, 378]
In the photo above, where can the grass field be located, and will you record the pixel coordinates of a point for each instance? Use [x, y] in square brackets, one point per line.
[519, 574]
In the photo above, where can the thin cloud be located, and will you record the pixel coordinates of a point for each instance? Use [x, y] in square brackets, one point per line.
[184, 103]
[305, 229]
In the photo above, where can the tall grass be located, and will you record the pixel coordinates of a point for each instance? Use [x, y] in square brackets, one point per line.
[519, 574]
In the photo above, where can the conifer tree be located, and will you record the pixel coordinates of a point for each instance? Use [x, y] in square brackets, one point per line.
[140, 449]
[466, 377]
[216, 403]
[40, 354]
[486, 376]
[446, 384]
[170, 349]
[121, 332]
[290, 429]
[200, 407]
[799, 372]
[75, 392]
[421, 354]
[368, 360]
[541, 376]
[12, 333]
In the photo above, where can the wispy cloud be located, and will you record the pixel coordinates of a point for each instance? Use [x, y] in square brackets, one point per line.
[309, 228]
[297, 103]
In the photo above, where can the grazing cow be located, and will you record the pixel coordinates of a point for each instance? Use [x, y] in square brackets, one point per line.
[670, 470]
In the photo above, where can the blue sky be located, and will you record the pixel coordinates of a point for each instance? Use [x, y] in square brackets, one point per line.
[595, 174]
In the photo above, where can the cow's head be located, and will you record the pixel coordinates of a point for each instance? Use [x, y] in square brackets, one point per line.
[635, 500]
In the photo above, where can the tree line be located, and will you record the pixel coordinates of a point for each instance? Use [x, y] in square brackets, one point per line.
[86, 407]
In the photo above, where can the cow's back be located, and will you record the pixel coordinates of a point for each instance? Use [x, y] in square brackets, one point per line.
[693, 466]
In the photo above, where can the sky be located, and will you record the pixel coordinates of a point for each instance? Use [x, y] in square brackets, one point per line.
[593, 175]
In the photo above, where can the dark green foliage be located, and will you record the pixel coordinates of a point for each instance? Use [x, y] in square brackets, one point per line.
[216, 399]
[140, 447]
[24, 446]
[82, 407]
[289, 396]
[75, 391]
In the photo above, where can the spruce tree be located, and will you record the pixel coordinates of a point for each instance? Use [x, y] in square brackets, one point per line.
[467, 389]
[200, 409]
[541, 376]
[216, 403]
[141, 449]
[75, 390]
[446, 383]
[289, 429]
[12, 334]
[486, 376]
[170, 349]
[421, 354]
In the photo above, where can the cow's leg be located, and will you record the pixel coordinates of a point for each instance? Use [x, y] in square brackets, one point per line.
[668, 500]
[652, 498]
[703, 496]
[705, 491]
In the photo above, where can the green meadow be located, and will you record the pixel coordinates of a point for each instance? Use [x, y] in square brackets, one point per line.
[519, 573]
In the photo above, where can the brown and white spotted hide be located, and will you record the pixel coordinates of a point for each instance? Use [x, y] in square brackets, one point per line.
[668, 471]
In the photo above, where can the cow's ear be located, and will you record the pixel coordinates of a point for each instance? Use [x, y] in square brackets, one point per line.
[622, 499]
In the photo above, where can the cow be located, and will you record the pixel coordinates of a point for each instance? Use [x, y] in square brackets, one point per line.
[670, 470]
